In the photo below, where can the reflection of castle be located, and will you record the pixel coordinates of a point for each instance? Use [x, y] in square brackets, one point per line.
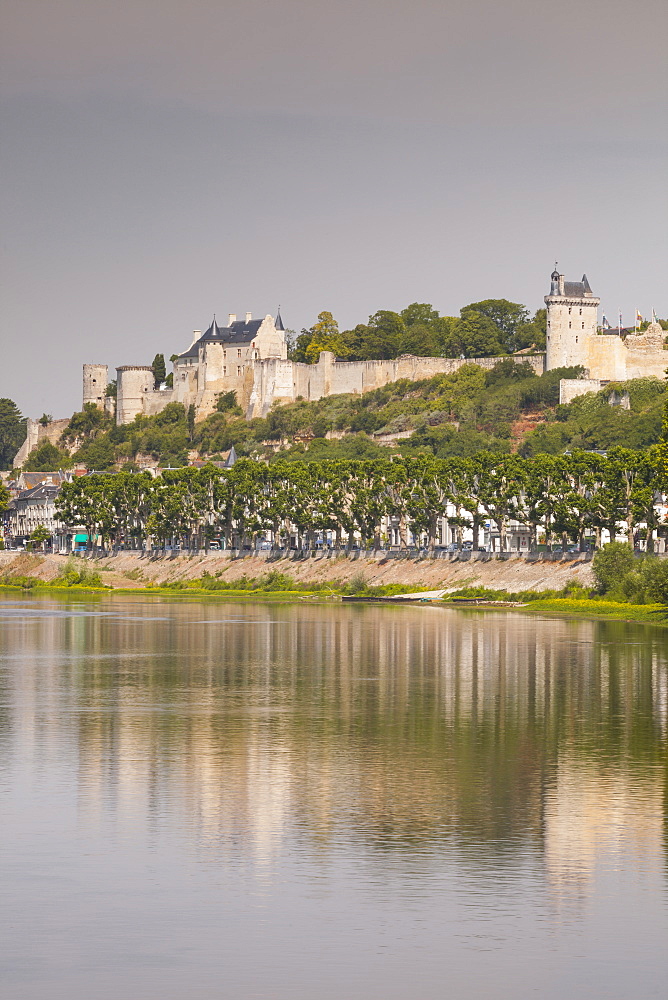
[595, 815]
[306, 720]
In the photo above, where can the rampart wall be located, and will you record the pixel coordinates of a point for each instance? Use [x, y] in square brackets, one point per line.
[276, 380]
[36, 434]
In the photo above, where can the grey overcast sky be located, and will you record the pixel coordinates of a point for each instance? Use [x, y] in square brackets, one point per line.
[165, 160]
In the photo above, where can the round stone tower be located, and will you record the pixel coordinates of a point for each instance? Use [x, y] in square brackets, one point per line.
[95, 381]
[572, 313]
[133, 384]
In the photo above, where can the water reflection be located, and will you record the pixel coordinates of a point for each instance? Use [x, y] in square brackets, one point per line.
[389, 725]
[414, 742]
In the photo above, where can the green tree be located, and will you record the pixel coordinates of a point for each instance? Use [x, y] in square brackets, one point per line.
[325, 336]
[611, 564]
[40, 536]
[47, 458]
[12, 431]
[86, 424]
[473, 336]
[226, 402]
[509, 318]
[159, 370]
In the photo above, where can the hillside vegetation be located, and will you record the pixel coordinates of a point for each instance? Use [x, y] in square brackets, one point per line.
[507, 409]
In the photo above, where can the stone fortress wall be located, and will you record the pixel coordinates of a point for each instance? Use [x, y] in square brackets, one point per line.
[255, 366]
[284, 381]
[37, 434]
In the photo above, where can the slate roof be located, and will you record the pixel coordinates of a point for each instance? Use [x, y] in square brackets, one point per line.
[577, 289]
[31, 479]
[229, 458]
[38, 494]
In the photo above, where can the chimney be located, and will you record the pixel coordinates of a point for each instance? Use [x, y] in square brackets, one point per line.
[249, 317]
[196, 335]
[232, 319]
[561, 284]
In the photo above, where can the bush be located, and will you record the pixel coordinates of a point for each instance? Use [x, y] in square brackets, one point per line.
[611, 565]
[73, 575]
[654, 574]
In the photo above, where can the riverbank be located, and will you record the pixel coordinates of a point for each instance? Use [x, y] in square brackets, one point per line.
[132, 570]
[644, 614]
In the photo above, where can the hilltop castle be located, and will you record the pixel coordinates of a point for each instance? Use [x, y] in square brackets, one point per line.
[250, 358]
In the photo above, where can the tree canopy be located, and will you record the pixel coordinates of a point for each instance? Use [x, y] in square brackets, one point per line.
[483, 329]
[12, 431]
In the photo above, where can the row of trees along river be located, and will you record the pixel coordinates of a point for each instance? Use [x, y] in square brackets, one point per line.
[563, 496]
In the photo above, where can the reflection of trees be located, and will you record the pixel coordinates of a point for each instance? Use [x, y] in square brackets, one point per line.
[396, 725]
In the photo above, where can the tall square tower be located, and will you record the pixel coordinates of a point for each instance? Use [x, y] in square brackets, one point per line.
[572, 316]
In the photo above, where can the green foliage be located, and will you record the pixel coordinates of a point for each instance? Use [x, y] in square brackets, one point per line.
[45, 419]
[86, 425]
[226, 402]
[112, 389]
[73, 574]
[324, 335]
[47, 458]
[591, 423]
[12, 431]
[40, 535]
[484, 329]
[159, 370]
[611, 564]
[625, 577]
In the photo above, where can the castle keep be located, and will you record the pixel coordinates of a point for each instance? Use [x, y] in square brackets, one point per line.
[573, 338]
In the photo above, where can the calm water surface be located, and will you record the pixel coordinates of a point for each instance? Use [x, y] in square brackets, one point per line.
[244, 800]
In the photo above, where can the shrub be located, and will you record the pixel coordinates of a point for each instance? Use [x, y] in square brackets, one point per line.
[611, 565]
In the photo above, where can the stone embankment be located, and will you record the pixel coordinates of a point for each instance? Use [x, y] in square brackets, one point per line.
[136, 570]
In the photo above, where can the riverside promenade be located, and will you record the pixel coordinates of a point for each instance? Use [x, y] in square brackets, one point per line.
[446, 571]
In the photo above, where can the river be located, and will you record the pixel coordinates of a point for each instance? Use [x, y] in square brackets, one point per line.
[310, 801]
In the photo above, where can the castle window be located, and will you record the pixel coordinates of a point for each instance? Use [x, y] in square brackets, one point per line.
[224, 370]
[569, 324]
[238, 369]
[238, 352]
[224, 354]
[569, 310]
[581, 312]
[583, 326]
